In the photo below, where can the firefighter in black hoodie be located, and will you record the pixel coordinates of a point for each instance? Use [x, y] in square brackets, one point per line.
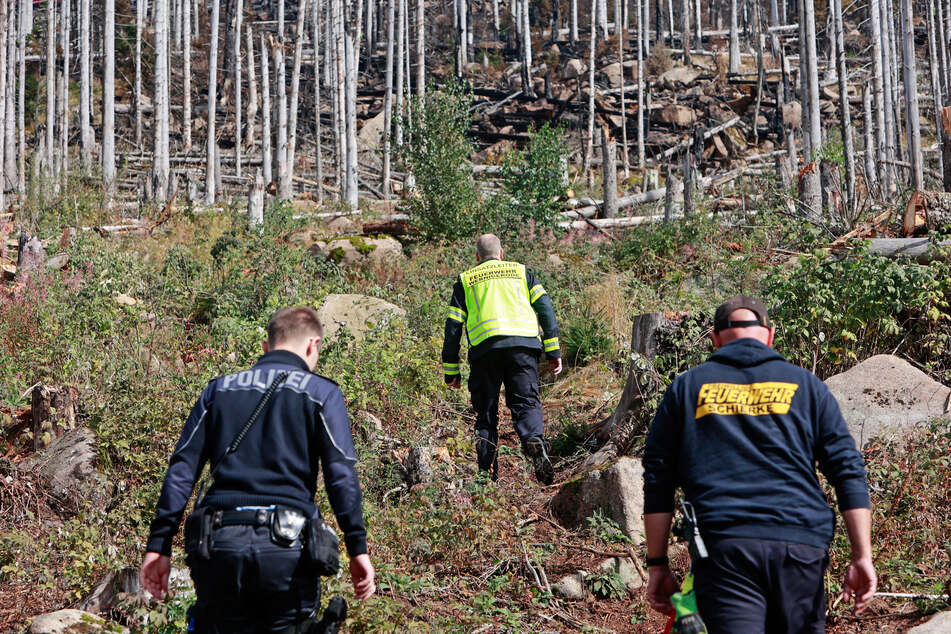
[741, 434]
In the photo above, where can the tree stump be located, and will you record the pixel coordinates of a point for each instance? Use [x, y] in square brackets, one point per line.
[55, 412]
[31, 257]
[930, 209]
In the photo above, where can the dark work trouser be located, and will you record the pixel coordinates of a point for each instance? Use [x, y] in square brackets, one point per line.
[517, 369]
[760, 585]
[251, 585]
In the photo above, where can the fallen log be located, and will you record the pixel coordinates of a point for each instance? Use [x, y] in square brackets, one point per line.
[921, 250]
[397, 227]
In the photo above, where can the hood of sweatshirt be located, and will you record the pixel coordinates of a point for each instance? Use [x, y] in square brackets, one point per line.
[745, 353]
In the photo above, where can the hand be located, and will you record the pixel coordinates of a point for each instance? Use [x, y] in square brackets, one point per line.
[363, 576]
[661, 583]
[153, 575]
[455, 382]
[860, 583]
[555, 366]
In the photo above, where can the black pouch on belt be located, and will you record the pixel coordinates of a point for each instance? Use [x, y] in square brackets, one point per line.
[322, 548]
[198, 529]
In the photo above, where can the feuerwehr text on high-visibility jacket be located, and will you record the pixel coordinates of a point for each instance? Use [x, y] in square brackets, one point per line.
[499, 304]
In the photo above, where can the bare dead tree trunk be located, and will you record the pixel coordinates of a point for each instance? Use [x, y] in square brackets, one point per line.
[317, 125]
[266, 154]
[388, 95]
[572, 22]
[871, 151]
[211, 145]
[10, 123]
[139, 28]
[810, 194]
[400, 67]
[890, 121]
[109, 100]
[287, 181]
[21, 99]
[351, 58]
[187, 77]
[609, 173]
[734, 40]
[845, 114]
[936, 93]
[50, 86]
[686, 8]
[421, 50]
[256, 201]
[878, 91]
[253, 87]
[160, 161]
[528, 88]
[912, 117]
[642, 31]
[277, 49]
[85, 83]
[589, 147]
[4, 35]
[239, 14]
[62, 106]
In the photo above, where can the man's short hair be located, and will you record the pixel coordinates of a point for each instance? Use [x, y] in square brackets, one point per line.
[295, 322]
[721, 319]
[488, 246]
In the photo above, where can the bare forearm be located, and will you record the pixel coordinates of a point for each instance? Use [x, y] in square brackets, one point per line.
[858, 524]
[657, 532]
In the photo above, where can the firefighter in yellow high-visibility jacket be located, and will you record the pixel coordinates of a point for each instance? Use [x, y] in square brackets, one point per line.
[500, 304]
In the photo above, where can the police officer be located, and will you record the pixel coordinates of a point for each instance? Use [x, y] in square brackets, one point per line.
[500, 305]
[742, 435]
[249, 583]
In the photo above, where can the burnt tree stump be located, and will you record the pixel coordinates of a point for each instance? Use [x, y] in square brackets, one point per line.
[55, 412]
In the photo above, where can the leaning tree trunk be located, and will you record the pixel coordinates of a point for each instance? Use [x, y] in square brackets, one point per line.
[109, 100]
[844, 111]
[160, 160]
[211, 144]
[912, 118]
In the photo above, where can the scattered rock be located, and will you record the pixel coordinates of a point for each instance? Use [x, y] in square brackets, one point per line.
[571, 587]
[886, 394]
[617, 490]
[104, 596]
[370, 136]
[515, 82]
[303, 238]
[940, 623]
[357, 250]
[554, 260]
[572, 69]
[358, 313]
[615, 74]
[58, 262]
[69, 469]
[679, 77]
[342, 226]
[71, 622]
[677, 115]
[625, 568]
[792, 114]
[417, 467]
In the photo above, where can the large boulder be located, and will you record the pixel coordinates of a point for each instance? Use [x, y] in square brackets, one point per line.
[573, 69]
[359, 314]
[677, 115]
[69, 468]
[370, 139]
[359, 250]
[940, 623]
[71, 622]
[106, 593]
[615, 74]
[678, 77]
[571, 587]
[887, 395]
[617, 490]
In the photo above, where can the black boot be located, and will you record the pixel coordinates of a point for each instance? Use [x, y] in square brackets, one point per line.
[487, 453]
[536, 448]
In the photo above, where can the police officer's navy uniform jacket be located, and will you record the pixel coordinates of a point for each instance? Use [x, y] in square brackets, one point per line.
[742, 435]
[305, 425]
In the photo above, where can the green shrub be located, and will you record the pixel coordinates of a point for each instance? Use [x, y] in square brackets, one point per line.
[533, 185]
[831, 312]
[587, 337]
[606, 585]
[436, 150]
[606, 529]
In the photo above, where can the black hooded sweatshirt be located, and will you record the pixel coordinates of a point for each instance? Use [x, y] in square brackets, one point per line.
[742, 435]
